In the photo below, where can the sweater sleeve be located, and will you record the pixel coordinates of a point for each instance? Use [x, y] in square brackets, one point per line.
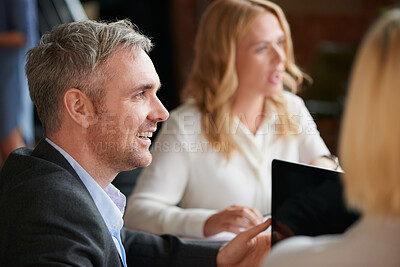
[153, 206]
[311, 144]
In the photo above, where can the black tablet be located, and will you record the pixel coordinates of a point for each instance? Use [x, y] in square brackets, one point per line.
[307, 200]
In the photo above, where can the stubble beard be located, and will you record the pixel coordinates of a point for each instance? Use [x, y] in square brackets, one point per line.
[114, 148]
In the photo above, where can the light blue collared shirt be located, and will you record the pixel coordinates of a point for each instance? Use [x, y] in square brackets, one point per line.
[110, 202]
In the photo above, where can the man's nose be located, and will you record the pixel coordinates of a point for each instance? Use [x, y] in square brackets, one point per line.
[159, 112]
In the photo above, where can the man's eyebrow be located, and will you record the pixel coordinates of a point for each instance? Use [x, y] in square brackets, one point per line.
[146, 86]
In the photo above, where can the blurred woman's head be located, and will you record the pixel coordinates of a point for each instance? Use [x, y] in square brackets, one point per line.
[222, 65]
[260, 58]
[222, 27]
[370, 140]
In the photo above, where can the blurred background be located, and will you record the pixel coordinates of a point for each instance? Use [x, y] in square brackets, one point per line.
[325, 37]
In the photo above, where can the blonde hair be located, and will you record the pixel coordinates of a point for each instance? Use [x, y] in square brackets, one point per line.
[370, 139]
[213, 80]
[72, 55]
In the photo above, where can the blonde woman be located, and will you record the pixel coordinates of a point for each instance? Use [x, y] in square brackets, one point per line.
[370, 157]
[213, 156]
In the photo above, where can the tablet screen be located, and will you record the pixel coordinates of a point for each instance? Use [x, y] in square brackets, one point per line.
[307, 200]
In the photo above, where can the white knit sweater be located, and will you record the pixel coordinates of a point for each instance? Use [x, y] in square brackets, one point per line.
[187, 170]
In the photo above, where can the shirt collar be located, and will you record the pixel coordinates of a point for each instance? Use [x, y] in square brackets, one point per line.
[110, 202]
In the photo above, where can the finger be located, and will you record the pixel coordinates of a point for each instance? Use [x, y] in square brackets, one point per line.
[236, 208]
[258, 214]
[246, 217]
[239, 208]
[253, 217]
[229, 221]
[252, 232]
[268, 222]
[238, 221]
[233, 229]
[241, 217]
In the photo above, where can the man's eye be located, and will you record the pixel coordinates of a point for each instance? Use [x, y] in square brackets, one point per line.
[139, 95]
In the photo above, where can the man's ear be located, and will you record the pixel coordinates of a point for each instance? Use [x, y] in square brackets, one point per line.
[79, 107]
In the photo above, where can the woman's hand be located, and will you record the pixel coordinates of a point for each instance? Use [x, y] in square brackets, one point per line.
[233, 219]
[325, 162]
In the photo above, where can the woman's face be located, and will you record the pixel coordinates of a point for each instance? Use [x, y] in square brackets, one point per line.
[260, 57]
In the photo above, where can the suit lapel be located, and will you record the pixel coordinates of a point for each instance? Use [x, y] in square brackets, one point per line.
[47, 152]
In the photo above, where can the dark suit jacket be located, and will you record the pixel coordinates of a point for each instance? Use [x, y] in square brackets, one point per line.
[47, 217]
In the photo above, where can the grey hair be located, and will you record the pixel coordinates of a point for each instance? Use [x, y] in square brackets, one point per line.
[73, 55]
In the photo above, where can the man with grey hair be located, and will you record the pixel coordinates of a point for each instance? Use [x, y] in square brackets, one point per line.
[94, 87]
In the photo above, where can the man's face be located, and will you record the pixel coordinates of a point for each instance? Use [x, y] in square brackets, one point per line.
[128, 114]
